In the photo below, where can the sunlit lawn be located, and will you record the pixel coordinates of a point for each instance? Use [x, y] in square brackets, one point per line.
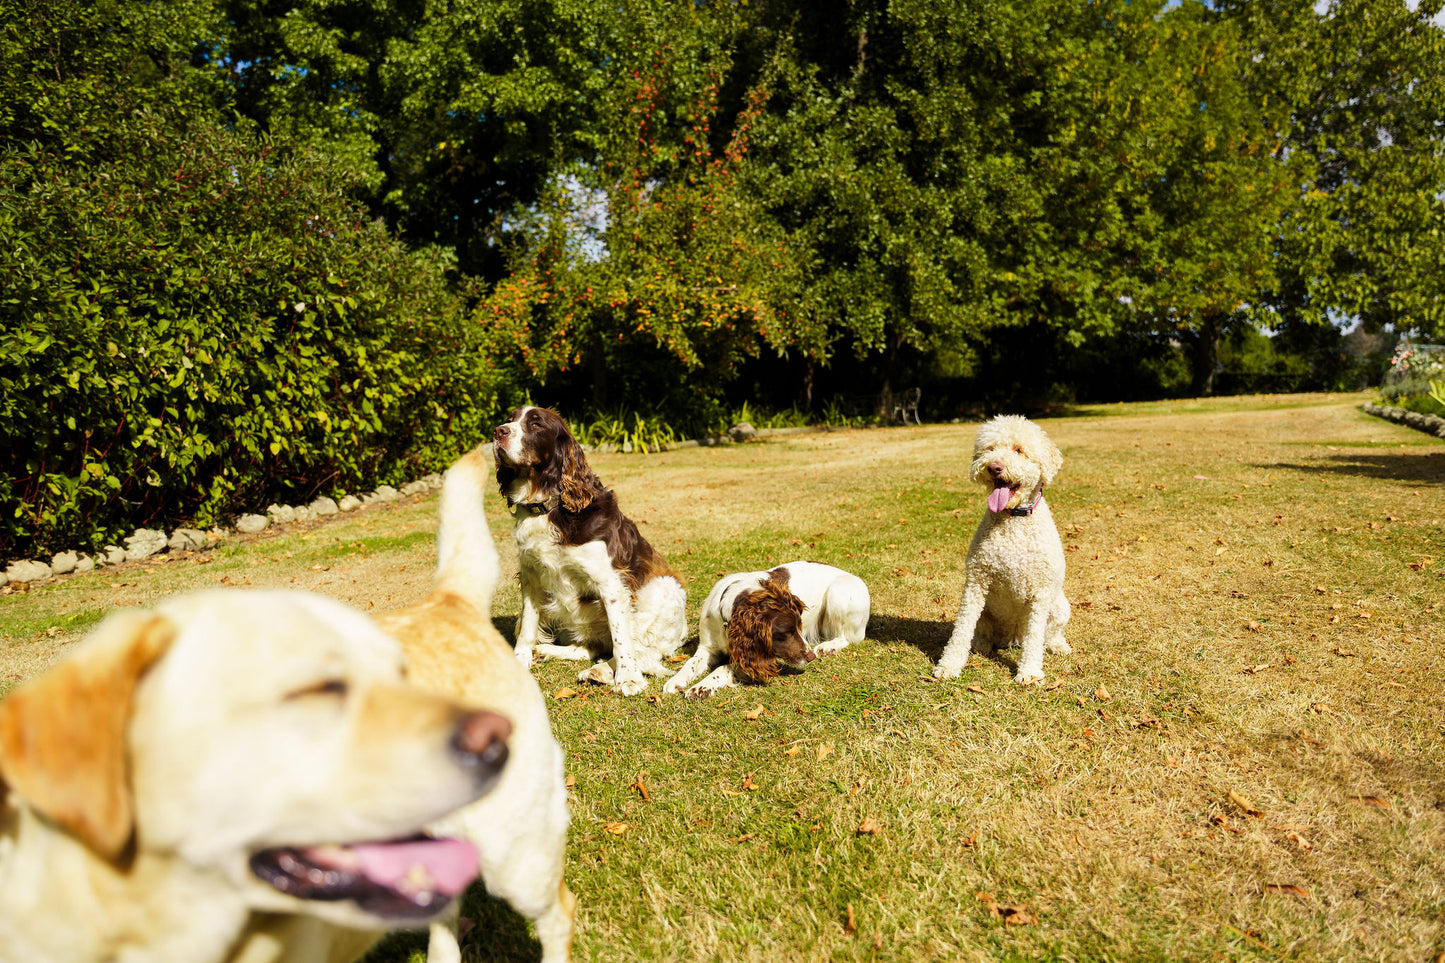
[1242, 759]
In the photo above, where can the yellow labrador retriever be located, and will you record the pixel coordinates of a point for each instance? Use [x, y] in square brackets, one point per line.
[520, 827]
[230, 757]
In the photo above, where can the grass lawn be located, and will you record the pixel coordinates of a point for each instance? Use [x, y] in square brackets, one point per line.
[1243, 759]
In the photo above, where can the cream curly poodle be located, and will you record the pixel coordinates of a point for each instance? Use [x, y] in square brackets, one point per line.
[1013, 589]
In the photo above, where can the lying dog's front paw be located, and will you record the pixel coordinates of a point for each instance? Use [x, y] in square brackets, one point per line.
[1029, 678]
[1059, 647]
[598, 674]
[942, 671]
[631, 683]
[828, 648]
[699, 692]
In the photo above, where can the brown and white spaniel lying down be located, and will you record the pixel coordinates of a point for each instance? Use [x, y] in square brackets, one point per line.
[753, 620]
[588, 576]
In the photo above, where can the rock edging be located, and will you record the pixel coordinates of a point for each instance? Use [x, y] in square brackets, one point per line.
[1429, 424]
[146, 542]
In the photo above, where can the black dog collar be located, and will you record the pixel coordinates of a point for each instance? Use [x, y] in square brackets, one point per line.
[533, 508]
[1026, 512]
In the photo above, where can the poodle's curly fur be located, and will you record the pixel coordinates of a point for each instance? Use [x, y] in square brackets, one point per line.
[1013, 588]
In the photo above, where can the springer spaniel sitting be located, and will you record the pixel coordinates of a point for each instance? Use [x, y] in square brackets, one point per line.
[753, 620]
[587, 573]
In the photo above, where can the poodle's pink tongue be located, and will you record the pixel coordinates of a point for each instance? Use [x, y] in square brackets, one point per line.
[998, 498]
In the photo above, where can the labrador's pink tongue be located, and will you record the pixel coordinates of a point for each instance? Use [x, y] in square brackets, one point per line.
[998, 498]
[451, 863]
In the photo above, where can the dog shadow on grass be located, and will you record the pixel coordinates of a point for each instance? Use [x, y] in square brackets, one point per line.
[497, 934]
[507, 625]
[928, 638]
[1409, 467]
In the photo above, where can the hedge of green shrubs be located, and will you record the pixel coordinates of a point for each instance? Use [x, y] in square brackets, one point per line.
[195, 321]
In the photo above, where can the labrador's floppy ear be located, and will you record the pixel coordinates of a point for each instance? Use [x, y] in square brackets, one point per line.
[63, 735]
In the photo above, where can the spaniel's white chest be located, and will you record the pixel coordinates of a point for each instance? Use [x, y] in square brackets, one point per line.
[566, 581]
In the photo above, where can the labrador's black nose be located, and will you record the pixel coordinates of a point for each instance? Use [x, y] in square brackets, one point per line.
[480, 742]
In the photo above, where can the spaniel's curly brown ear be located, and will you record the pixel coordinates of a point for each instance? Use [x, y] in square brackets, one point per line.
[750, 638]
[63, 735]
[775, 592]
[579, 485]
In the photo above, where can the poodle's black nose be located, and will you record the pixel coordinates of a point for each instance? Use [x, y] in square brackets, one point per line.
[995, 468]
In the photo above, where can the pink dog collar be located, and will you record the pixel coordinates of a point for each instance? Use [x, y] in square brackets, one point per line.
[1026, 512]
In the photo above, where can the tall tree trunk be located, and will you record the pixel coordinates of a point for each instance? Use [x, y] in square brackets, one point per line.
[890, 362]
[599, 374]
[1205, 357]
[810, 368]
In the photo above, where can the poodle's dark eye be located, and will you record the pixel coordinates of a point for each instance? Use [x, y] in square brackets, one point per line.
[329, 687]
[1019, 449]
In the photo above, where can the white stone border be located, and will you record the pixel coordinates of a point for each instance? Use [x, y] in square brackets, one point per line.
[1429, 424]
[146, 542]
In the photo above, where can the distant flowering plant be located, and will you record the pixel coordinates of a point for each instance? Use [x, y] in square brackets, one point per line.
[1416, 379]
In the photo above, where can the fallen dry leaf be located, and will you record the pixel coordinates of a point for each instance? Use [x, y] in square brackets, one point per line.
[1343, 654]
[1373, 801]
[744, 837]
[1017, 916]
[976, 688]
[851, 926]
[674, 659]
[1012, 915]
[753, 715]
[1287, 889]
[616, 829]
[1299, 840]
[571, 782]
[793, 751]
[1254, 626]
[1244, 805]
[1256, 669]
[1171, 762]
[868, 826]
[564, 693]
[824, 750]
[748, 783]
[1222, 822]
[1102, 694]
[641, 788]
[1053, 685]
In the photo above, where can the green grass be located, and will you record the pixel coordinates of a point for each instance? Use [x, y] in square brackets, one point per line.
[1100, 804]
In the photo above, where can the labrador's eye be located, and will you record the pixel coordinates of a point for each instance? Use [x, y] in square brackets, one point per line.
[329, 687]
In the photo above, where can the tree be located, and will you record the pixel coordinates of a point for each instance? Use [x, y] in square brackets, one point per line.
[1364, 86]
[194, 319]
[679, 277]
[452, 115]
